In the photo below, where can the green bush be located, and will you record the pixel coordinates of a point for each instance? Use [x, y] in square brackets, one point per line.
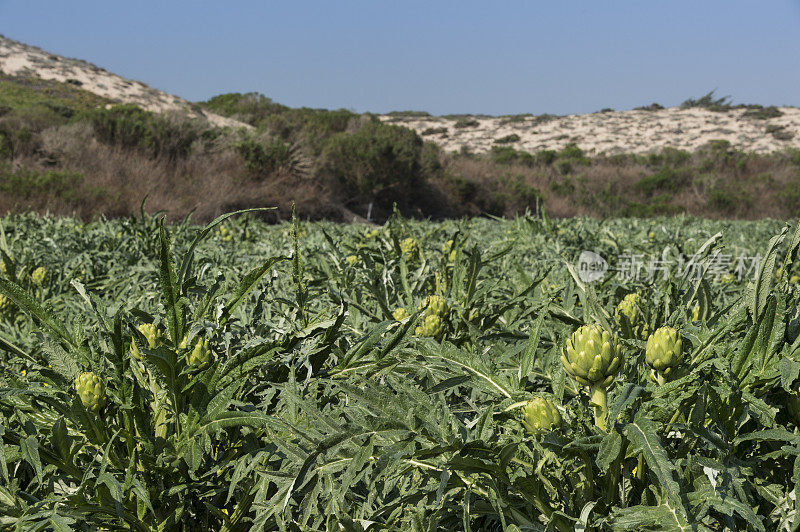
[466, 122]
[26, 183]
[264, 158]
[251, 107]
[709, 102]
[130, 126]
[652, 107]
[379, 162]
[665, 179]
[435, 131]
[762, 113]
[508, 139]
[508, 155]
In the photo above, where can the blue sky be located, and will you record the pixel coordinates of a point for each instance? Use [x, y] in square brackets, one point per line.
[458, 56]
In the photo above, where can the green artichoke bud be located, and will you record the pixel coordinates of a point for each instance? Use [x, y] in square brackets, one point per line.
[150, 332]
[663, 352]
[435, 305]
[38, 275]
[200, 357]
[592, 356]
[91, 390]
[431, 326]
[631, 318]
[540, 415]
[400, 313]
[409, 248]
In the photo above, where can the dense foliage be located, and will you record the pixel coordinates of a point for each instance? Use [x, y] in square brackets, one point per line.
[242, 376]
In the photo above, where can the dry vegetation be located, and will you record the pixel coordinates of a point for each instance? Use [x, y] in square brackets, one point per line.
[66, 151]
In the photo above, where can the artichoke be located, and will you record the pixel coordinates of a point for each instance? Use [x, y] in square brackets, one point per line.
[91, 390]
[435, 305]
[592, 356]
[409, 248]
[150, 332]
[431, 326]
[663, 352]
[400, 313]
[631, 318]
[540, 415]
[200, 357]
[38, 275]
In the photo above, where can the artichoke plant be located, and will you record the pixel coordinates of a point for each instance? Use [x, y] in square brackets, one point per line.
[91, 390]
[38, 275]
[593, 357]
[200, 356]
[663, 353]
[150, 332]
[400, 313]
[435, 305]
[448, 251]
[631, 317]
[410, 249]
[540, 415]
[431, 326]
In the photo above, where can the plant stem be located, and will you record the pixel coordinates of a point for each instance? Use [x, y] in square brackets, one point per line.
[599, 399]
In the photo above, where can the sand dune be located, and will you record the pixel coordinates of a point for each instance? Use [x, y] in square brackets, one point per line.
[617, 132]
[18, 59]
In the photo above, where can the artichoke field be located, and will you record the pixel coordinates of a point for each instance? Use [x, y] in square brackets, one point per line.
[414, 376]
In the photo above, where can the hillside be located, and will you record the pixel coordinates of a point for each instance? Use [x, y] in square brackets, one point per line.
[22, 60]
[76, 139]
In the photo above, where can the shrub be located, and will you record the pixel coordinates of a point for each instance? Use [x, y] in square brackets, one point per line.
[435, 131]
[779, 132]
[507, 139]
[514, 119]
[264, 158]
[130, 126]
[466, 122]
[709, 102]
[508, 155]
[652, 107]
[26, 183]
[665, 179]
[250, 107]
[762, 113]
[378, 162]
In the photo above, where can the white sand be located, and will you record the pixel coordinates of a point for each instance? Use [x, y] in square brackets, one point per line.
[21, 59]
[617, 132]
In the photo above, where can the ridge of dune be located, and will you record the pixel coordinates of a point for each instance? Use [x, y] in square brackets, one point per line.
[19, 59]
